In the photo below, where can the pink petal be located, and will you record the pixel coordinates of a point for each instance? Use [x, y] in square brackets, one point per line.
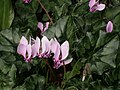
[21, 49]
[57, 53]
[37, 44]
[64, 50]
[23, 41]
[100, 7]
[45, 45]
[54, 43]
[55, 48]
[29, 52]
[40, 26]
[34, 52]
[66, 61]
[46, 27]
[36, 47]
[92, 3]
[109, 27]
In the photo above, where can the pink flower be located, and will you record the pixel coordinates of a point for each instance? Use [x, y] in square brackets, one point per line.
[24, 49]
[95, 6]
[35, 47]
[43, 49]
[60, 53]
[27, 1]
[109, 27]
[42, 28]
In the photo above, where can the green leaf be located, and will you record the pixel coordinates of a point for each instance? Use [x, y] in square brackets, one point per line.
[59, 10]
[12, 74]
[74, 71]
[71, 88]
[4, 67]
[58, 29]
[114, 10]
[9, 39]
[92, 37]
[108, 53]
[52, 87]
[6, 14]
[34, 82]
[25, 67]
[104, 38]
[99, 67]
[20, 88]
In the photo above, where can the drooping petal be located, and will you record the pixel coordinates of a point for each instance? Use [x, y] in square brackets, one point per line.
[66, 61]
[29, 52]
[109, 27]
[34, 52]
[44, 40]
[100, 7]
[46, 26]
[54, 44]
[57, 53]
[45, 45]
[92, 3]
[23, 41]
[40, 26]
[36, 47]
[21, 49]
[55, 48]
[37, 44]
[65, 49]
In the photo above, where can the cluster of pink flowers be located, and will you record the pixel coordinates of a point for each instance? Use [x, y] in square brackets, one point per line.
[43, 49]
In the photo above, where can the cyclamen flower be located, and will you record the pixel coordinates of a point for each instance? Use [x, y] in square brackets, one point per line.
[26, 1]
[35, 47]
[95, 6]
[60, 53]
[24, 49]
[45, 48]
[109, 27]
[41, 48]
[42, 28]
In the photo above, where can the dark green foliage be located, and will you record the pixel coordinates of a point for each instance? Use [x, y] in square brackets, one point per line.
[72, 21]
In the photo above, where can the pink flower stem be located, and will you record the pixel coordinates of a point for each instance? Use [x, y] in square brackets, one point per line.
[53, 77]
[64, 67]
[45, 11]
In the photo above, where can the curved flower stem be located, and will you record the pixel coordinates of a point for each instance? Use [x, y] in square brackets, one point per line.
[45, 11]
[64, 67]
[63, 84]
[51, 70]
